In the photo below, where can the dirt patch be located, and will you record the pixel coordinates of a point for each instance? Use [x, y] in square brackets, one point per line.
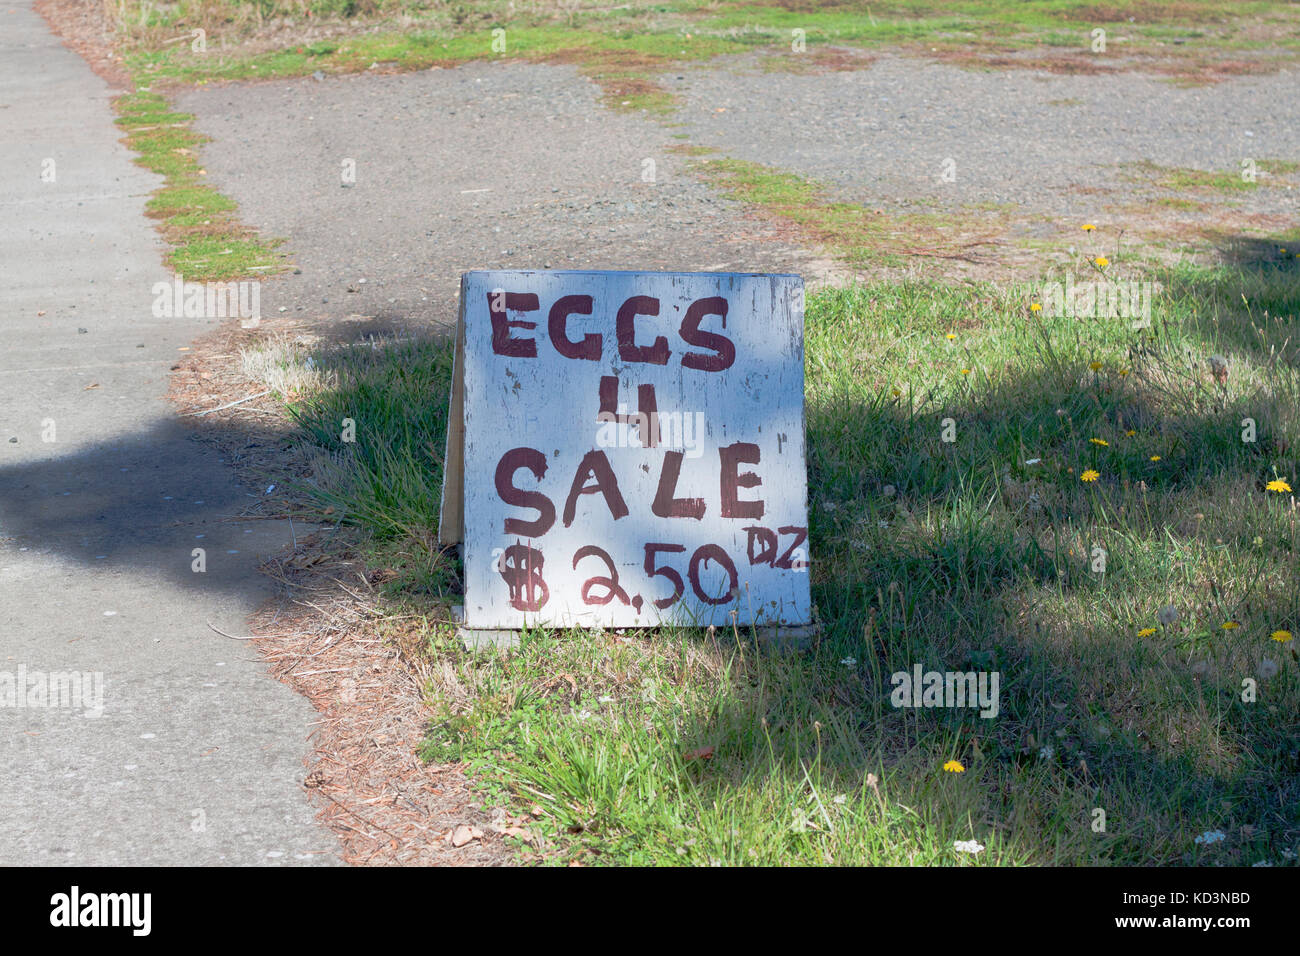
[210, 392]
[1203, 71]
[810, 6]
[363, 673]
[607, 59]
[821, 59]
[1181, 13]
[839, 59]
[1069, 64]
[621, 89]
[626, 77]
[1183, 69]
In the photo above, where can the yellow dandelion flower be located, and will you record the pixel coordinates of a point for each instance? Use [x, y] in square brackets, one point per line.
[1280, 636]
[965, 371]
[1146, 632]
[950, 336]
[1095, 366]
[1155, 457]
[1123, 372]
[1088, 227]
[1278, 485]
[1090, 475]
[1230, 625]
[1130, 433]
[1100, 441]
[897, 392]
[1102, 262]
[954, 766]
[1035, 307]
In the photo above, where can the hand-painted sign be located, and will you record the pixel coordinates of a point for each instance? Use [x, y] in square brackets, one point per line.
[627, 448]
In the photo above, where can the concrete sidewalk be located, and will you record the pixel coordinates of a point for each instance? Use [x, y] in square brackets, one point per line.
[197, 757]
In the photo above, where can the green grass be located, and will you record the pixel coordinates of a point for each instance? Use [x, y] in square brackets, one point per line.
[682, 747]
[858, 235]
[1279, 167]
[385, 474]
[624, 47]
[207, 241]
[225, 257]
[1182, 205]
[1173, 177]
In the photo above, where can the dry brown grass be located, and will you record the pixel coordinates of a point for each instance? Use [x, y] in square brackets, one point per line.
[1147, 12]
[365, 673]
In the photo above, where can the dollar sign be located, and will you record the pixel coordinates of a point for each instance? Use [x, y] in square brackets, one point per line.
[521, 567]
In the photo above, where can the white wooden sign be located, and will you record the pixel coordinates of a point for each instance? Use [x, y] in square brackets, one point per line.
[627, 449]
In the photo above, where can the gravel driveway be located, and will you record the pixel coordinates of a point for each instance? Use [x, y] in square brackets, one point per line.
[485, 166]
[1024, 137]
[497, 165]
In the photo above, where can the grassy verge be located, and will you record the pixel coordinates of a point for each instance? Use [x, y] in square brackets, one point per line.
[207, 240]
[1122, 688]
[872, 239]
[625, 46]
[385, 475]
